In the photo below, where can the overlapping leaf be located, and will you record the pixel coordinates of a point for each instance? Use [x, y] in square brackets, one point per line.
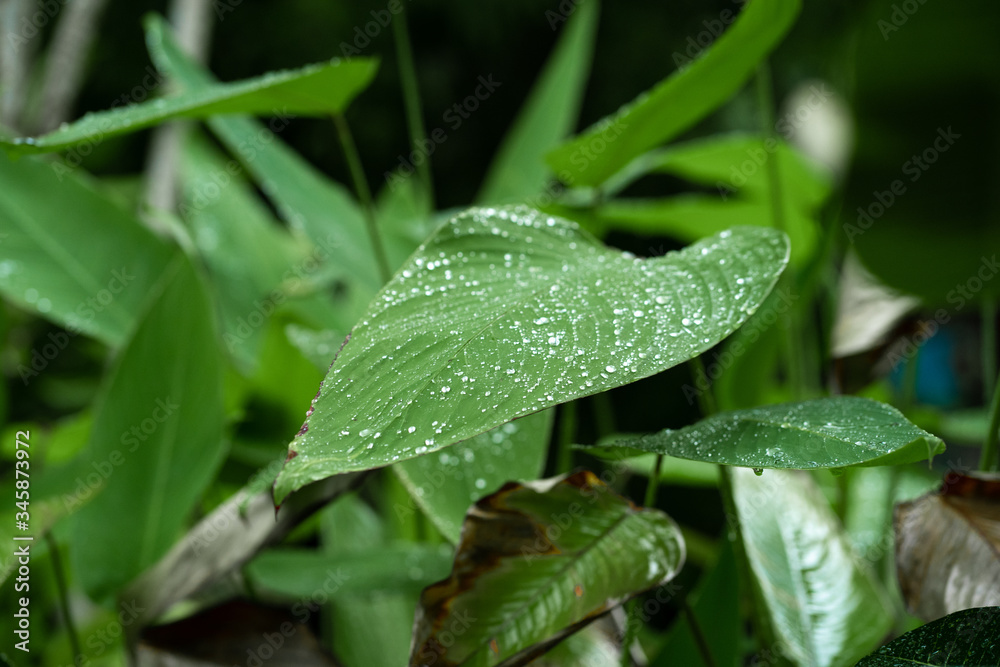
[679, 101]
[537, 562]
[157, 437]
[505, 312]
[835, 432]
[311, 203]
[824, 607]
[446, 484]
[68, 253]
[315, 90]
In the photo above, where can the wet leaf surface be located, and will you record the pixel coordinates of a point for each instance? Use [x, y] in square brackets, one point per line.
[537, 562]
[948, 547]
[963, 639]
[824, 608]
[505, 312]
[835, 432]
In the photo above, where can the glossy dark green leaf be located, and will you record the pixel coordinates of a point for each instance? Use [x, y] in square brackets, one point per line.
[966, 638]
[71, 255]
[834, 432]
[550, 113]
[679, 101]
[315, 90]
[536, 562]
[157, 434]
[445, 484]
[824, 608]
[505, 312]
[306, 199]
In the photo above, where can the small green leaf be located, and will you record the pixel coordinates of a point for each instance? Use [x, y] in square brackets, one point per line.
[505, 312]
[315, 90]
[310, 202]
[71, 255]
[824, 608]
[679, 101]
[383, 569]
[966, 638]
[247, 252]
[834, 432]
[446, 484]
[537, 562]
[518, 171]
[157, 437]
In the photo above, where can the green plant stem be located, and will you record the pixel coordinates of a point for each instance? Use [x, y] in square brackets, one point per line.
[988, 461]
[567, 433]
[699, 636]
[631, 630]
[364, 194]
[61, 590]
[706, 398]
[411, 99]
[794, 352]
[654, 482]
[988, 328]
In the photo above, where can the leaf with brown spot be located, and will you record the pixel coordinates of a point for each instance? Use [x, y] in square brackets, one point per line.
[537, 562]
[948, 547]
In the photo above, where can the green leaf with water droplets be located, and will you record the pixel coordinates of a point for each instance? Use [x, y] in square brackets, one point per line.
[314, 90]
[967, 638]
[505, 312]
[835, 432]
[537, 562]
[822, 603]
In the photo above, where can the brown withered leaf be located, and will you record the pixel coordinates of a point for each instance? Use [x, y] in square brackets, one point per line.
[948, 547]
[537, 562]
